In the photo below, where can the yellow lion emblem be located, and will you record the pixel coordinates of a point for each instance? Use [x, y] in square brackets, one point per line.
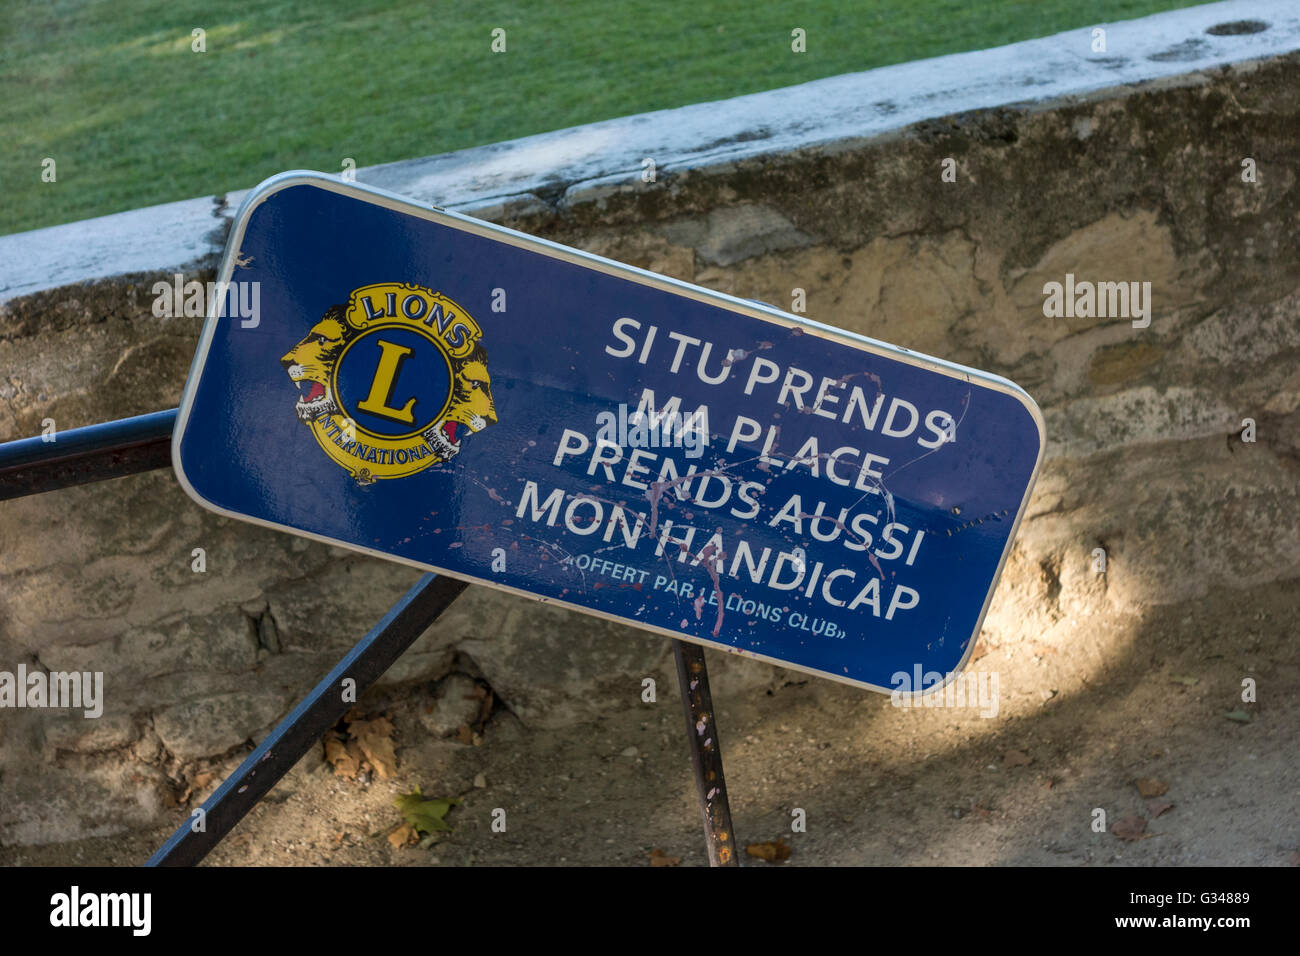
[392, 382]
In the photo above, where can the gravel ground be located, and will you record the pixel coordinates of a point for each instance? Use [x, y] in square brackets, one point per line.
[1086, 709]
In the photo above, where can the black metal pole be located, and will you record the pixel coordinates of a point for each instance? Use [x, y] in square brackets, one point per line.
[80, 455]
[320, 711]
[143, 443]
[706, 753]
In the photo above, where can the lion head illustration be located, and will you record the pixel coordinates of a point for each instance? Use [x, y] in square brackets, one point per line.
[309, 362]
[471, 409]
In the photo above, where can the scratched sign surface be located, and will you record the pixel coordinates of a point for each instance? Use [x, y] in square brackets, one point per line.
[433, 389]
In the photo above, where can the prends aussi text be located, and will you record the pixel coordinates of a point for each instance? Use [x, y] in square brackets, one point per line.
[869, 526]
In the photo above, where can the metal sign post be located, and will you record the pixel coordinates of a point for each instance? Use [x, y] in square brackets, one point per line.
[30, 466]
[706, 753]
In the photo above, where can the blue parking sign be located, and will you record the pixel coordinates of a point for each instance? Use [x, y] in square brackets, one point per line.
[426, 387]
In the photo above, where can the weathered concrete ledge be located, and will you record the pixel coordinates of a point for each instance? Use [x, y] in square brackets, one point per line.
[1067, 174]
[571, 167]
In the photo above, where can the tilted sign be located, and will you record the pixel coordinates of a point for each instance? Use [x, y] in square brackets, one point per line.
[434, 389]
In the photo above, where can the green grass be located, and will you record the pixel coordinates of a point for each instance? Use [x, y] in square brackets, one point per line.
[112, 92]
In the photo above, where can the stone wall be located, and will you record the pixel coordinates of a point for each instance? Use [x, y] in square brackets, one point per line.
[1136, 182]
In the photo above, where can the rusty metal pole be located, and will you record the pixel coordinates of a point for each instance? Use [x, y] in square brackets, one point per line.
[706, 753]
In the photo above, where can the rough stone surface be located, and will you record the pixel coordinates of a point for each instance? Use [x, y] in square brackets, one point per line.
[455, 705]
[1144, 459]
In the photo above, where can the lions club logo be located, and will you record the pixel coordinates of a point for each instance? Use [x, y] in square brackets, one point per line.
[392, 382]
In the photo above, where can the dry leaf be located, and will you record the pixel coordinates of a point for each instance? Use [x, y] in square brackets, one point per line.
[358, 757]
[200, 781]
[771, 852]
[660, 858]
[404, 835]
[1157, 807]
[465, 735]
[337, 755]
[1016, 758]
[375, 738]
[1151, 787]
[1130, 828]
